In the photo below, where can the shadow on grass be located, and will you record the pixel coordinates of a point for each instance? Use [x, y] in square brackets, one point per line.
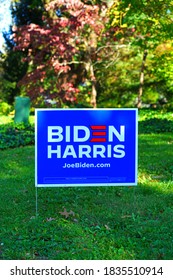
[155, 157]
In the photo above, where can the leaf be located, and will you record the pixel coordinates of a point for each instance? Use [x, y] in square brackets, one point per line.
[107, 227]
[50, 219]
[71, 213]
[67, 214]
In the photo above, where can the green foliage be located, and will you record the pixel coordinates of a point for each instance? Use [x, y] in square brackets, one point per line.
[144, 25]
[155, 125]
[16, 135]
[5, 108]
[162, 66]
[150, 95]
[151, 21]
[118, 84]
[145, 114]
[155, 121]
[13, 71]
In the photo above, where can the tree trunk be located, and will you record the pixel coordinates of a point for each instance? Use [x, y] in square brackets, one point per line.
[90, 70]
[141, 81]
[93, 90]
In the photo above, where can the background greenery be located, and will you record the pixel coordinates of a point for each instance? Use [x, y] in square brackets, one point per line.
[142, 26]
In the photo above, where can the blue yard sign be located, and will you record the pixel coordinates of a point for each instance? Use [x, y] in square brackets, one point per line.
[86, 147]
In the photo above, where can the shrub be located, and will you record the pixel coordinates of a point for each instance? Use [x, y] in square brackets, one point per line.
[155, 125]
[15, 135]
[5, 108]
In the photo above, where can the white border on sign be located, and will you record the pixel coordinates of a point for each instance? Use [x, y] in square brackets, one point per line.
[94, 184]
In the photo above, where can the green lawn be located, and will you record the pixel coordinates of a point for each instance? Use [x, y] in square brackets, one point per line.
[104, 222]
